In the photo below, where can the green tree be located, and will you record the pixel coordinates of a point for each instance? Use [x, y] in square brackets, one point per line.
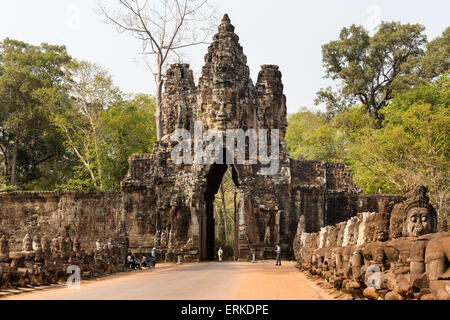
[76, 114]
[371, 69]
[27, 141]
[225, 206]
[165, 28]
[309, 135]
[437, 59]
[63, 123]
[412, 147]
[102, 127]
[128, 128]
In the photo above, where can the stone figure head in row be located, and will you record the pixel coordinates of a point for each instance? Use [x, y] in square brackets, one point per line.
[27, 243]
[36, 244]
[420, 217]
[45, 244]
[4, 245]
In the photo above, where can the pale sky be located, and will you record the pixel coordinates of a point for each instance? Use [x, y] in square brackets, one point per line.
[288, 33]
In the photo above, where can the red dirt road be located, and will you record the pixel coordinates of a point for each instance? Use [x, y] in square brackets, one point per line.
[198, 281]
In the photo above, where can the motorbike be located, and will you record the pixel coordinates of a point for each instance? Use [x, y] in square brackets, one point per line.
[150, 263]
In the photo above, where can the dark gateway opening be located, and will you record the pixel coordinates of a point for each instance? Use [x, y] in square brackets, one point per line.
[214, 179]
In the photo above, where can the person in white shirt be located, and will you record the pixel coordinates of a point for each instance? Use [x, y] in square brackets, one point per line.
[220, 253]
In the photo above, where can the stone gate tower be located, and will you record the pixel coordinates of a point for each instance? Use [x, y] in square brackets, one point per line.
[170, 206]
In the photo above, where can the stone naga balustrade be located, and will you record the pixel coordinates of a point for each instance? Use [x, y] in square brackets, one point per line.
[43, 261]
[392, 254]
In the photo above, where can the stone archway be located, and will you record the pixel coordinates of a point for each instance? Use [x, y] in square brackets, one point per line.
[161, 193]
[207, 222]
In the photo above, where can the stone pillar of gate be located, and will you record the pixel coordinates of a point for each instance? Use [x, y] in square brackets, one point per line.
[196, 223]
[236, 233]
[203, 231]
[244, 210]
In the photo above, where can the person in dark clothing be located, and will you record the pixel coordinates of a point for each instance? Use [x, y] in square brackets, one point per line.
[133, 263]
[153, 259]
[278, 250]
[144, 262]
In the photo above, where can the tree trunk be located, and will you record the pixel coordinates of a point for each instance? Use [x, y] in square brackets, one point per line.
[4, 150]
[224, 212]
[93, 123]
[159, 86]
[56, 170]
[14, 161]
[217, 224]
[82, 159]
[99, 166]
[379, 120]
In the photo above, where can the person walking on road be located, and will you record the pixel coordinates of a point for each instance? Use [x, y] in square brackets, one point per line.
[153, 261]
[278, 261]
[220, 253]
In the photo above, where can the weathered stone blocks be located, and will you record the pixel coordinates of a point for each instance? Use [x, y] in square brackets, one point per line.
[397, 255]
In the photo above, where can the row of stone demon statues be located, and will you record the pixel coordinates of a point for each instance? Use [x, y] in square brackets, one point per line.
[43, 261]
[392, 254]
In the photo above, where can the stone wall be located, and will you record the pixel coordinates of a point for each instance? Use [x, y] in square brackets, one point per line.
[92, 215]
[45, 259]
[324, 194]
[392, 253]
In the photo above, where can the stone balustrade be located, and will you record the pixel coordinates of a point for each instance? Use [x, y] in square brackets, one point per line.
[45, 260]
[392, 254]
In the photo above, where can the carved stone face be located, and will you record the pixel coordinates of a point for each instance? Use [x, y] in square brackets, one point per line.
[4, 247]
[110, 244]
[45, 243]
[77, 245]
[99, 245]
[62, 245]
[36, 245]
[54, 246]
[418, 222]
[338, 260]
[357, 258]
[27, 243]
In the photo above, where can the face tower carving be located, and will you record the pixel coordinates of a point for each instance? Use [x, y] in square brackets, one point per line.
[225, 99]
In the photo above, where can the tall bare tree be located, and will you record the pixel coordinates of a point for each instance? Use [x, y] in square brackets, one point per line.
[225, 212]
[164, 27]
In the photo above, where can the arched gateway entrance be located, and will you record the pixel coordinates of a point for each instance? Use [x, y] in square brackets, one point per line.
[207, 223]
[171, 206]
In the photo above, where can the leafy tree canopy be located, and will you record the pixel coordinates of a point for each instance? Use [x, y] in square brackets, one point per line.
[371, 69]
[63, 122]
